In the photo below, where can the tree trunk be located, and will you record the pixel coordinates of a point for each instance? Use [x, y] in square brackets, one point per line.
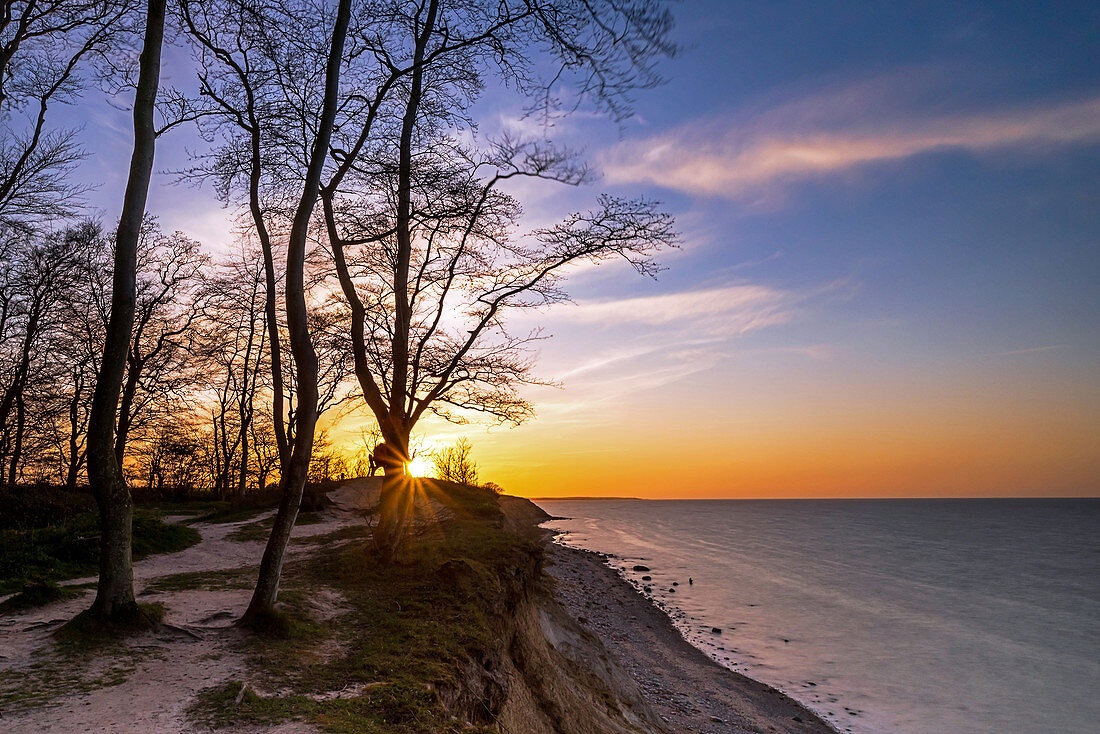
[73, 469]
[292, 482]
[17, 446]
[125, 416]
[395, 503]
[115, 593]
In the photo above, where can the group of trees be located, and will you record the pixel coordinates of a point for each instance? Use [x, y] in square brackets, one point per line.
[193, 413]
[380, 237]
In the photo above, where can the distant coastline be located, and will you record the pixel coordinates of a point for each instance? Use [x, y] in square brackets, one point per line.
[582, 499]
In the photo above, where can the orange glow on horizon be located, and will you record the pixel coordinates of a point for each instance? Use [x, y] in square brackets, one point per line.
[900, 436]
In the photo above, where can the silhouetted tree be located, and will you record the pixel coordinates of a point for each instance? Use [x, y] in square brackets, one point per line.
[115, 590]
[425, 244]
[46, 50]
[454, 463]
[168, 301]
[38, 273]
[295, 470]
[233, 349]
[245, 119]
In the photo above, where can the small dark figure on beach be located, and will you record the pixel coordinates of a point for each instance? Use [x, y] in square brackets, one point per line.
[691, 581]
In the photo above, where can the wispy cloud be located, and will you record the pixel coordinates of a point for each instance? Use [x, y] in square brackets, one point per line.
[636, 344]
[723, 311]
[829, 134]
[1031, 350]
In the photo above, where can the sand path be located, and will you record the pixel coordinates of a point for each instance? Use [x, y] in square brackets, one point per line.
[146, 686]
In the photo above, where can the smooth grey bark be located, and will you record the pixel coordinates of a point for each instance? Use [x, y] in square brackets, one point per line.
[115, 590]
[293, 479]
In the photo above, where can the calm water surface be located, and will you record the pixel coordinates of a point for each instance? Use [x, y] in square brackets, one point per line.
[904, 616]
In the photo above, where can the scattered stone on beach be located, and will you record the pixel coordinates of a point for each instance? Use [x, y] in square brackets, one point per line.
[675, 583]
[647, 578]
[671, 590]
[716, 630]
[641, 569]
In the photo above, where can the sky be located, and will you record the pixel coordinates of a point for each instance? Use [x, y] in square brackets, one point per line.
[887, 282]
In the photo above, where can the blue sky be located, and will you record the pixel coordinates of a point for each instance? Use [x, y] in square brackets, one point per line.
[890, 216]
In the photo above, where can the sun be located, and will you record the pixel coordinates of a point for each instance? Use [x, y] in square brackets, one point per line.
[418, 467]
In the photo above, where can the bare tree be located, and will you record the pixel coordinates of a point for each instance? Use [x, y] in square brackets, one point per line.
[233, 350]
[293, 479]
[46, 47]
[454, 463]
[168, 302]
[425, 243]
[39, 274]
[115, 590]
[170, 458]
[83, 319]
[239, 79]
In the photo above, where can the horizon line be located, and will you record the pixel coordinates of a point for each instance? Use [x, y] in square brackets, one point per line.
[577, 498]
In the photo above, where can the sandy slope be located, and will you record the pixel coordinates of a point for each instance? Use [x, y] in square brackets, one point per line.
[690, 691]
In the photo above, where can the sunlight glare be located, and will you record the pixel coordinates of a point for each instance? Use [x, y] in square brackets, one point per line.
[419, 467]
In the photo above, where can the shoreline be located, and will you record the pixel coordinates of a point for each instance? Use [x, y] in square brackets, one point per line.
[577, 648]
[687, 688]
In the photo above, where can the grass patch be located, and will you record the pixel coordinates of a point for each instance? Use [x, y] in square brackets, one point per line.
[221, 580]
[39, 594]
[336, 537]
[253, 531]
[261, 529]
[231, 513]
[187, 508]
[70, 548]
[220, 707]
[406, 631]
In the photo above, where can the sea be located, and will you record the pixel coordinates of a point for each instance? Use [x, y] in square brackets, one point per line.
[961, 616]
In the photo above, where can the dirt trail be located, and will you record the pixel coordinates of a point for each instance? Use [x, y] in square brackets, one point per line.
[147, 685]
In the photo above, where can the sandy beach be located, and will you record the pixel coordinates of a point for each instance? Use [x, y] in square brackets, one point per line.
[686, 688]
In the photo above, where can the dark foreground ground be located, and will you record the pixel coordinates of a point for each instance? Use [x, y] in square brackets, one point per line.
[465, 635]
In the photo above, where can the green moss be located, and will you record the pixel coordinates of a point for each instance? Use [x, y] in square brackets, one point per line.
[86, 631]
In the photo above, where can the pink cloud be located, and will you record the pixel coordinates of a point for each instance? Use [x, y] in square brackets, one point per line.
[811, 139]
